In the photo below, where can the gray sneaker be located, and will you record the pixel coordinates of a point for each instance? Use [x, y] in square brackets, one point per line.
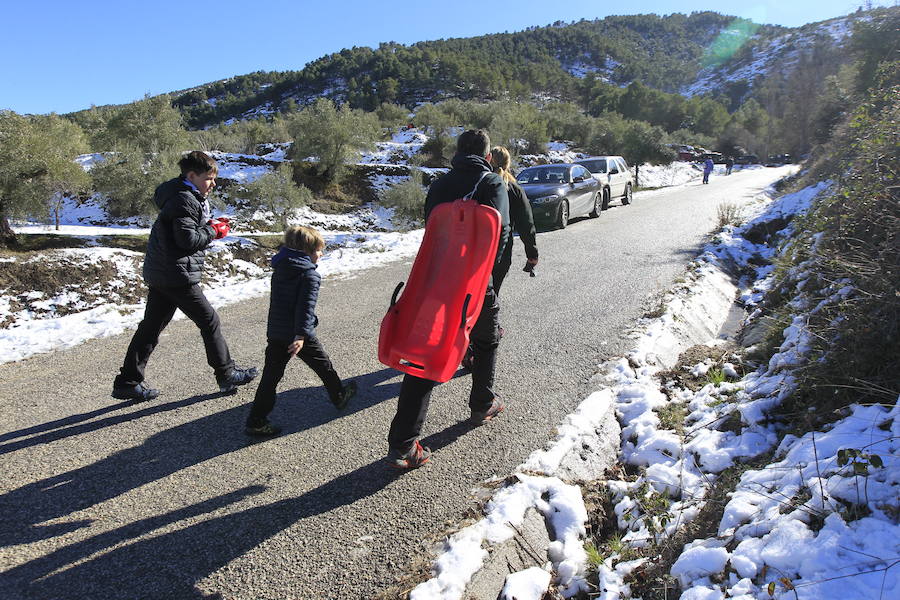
[235, 378]
[139, 393]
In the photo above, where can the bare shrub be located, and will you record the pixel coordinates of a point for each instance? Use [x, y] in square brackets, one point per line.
[407, 199]
[729, 213]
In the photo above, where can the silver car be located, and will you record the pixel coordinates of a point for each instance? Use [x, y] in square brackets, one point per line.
[613, 174]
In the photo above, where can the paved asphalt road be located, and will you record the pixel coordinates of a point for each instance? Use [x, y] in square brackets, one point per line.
[169, 499]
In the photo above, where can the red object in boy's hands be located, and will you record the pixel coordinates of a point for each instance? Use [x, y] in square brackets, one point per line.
[222, 228]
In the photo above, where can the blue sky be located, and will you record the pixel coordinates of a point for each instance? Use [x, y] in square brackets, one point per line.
[60, 55]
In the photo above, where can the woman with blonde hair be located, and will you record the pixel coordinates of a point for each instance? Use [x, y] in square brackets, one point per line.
[520, 217]
[521, 220]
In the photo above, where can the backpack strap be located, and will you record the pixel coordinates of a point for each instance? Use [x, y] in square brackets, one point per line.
[471, 194]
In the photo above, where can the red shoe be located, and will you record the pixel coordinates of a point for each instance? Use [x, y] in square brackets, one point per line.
[480, 417]
[413, 458]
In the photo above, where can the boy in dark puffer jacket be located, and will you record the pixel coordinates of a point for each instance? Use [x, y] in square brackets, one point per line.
[173, 266]
[291, 327]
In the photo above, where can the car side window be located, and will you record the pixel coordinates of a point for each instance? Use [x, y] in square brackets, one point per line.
[580, 172]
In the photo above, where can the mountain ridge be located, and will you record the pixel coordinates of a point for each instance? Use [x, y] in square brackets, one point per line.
[558, 61]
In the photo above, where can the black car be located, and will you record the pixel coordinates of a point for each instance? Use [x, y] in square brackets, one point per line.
[560, 192]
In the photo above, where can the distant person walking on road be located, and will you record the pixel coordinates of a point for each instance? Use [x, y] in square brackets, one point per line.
[470, 170]
[729, 165]
[172, 268]
[291, 327]
[707, 169]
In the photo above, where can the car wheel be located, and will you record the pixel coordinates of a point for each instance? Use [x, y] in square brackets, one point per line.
[595, 212]
[605, 204]
[626, 199]
[563, 218]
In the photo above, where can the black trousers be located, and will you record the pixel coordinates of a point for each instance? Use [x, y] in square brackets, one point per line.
[415, 392]
[161, 305]
[277, 357]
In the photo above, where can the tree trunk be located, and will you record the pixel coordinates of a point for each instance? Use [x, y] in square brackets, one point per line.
[7, 235]
[636, 175]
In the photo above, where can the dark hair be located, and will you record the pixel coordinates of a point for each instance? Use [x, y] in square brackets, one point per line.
[473, 141]
[198, 162]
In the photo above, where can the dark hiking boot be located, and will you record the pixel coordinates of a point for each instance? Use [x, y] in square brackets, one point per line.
[345, 396]
[264, 429]
[413, 458]
[480, 417]
[236, 377]
[140, 392]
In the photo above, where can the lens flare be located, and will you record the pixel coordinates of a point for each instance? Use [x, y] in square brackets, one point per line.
[729, 41]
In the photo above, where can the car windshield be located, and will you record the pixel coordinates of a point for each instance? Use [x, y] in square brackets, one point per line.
[594, 166]
[544, 175]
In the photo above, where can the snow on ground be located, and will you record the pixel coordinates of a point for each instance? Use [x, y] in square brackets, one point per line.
[402, 146]
[245, 168]
[45, 324]
[818, 523]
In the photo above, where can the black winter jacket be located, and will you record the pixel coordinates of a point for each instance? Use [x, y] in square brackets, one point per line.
[179, 237]
[459, 181]
[522, 219]
[295, 290]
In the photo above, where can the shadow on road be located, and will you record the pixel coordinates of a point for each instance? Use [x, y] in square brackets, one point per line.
[70, 420]
[303, 408]
[23, 509]
[170, 565]
[58, 434]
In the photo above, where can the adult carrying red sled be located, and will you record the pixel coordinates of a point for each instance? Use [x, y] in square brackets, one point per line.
[426, 332]
[434, 331]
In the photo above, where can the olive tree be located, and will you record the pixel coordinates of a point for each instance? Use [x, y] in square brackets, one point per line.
[275, 193]
[37, 163]
[333, 135]
[142, 143]
[645, 143]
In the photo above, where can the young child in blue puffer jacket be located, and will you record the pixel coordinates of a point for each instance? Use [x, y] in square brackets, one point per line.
[291, 327]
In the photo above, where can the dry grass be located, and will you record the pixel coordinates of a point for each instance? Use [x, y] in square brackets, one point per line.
[729, 213]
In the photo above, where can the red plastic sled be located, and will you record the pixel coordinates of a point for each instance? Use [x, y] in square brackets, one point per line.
[426, 332]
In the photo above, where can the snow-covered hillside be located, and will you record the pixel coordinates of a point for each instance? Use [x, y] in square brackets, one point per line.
[777, 55]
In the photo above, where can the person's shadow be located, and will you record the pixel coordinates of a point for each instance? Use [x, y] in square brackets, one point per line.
[24, 509]
[169, 565]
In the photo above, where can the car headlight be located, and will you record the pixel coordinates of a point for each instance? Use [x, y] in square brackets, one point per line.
[546, 199]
